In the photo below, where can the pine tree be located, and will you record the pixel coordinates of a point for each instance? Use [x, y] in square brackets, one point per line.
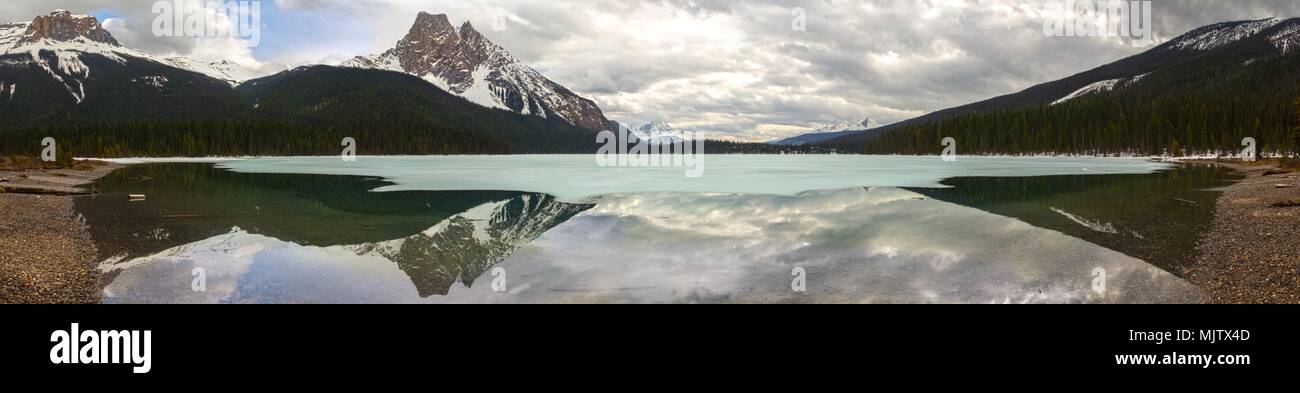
[1295, 131]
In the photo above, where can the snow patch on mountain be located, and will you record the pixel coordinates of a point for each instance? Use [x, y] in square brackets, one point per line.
[68, 68]
[8, 89]
[10, 33]
[226, 70]
[1286, 38]
[1093, 88]
[1101, 86]
[152, 80]
[1221, 34]
[481, 92]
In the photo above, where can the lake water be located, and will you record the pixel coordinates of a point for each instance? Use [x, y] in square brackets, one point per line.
[558, 229]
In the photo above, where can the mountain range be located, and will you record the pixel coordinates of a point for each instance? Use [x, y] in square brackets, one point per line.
[444, 89]
[450, 86]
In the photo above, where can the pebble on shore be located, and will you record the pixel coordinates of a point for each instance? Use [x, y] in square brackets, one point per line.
[46, 254]
[1251, 254]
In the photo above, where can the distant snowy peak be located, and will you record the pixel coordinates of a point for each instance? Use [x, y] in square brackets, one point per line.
[655, 127]
[824, 133]
[657, 132]
[462, 61]
[844, 126]
[225, 70]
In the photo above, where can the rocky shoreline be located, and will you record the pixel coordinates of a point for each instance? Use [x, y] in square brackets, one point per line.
[46, 253]
[1251, 254]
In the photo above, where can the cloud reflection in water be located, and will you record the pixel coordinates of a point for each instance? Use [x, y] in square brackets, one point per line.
[881, 245]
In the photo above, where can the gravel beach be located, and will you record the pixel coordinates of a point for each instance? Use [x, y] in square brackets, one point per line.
[1251, 254]
[46, 253]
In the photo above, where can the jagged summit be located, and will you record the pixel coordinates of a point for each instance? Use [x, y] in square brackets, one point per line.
[63, 26]
[464, 62]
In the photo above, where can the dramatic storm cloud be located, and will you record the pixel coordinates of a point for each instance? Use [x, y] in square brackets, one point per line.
[732, 69]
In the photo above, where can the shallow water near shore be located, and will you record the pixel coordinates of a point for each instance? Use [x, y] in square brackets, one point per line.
[319, 238]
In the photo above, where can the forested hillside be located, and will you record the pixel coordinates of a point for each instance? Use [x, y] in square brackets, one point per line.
[1200, 93]
[1202, 107]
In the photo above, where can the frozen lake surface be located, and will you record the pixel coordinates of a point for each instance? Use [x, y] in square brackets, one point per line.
[574, 178]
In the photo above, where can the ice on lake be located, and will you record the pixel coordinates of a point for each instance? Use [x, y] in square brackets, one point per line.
[578, 177]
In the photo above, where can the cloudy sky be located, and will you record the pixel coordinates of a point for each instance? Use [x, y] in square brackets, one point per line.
[731, 69]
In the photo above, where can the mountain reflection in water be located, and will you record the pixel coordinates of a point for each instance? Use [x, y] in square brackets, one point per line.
[327, 239]
[193, 210]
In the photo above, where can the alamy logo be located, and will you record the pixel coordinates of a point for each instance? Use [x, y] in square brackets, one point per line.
[1248, 153]
[800, 282]
[499, 18]
[48, 150]
[949, 149]
[678, 150]
[200, 281]
[1099, 280]
[102, 347]
[799, 23]
[1088, 18]
[241, 20]
[349, 149]
[499, 279]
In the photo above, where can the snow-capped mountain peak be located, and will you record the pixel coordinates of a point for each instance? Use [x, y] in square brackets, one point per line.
[61, 25]
[463, 62]
[655, 127]
[824, 133]
[844, 126]
[226, 70]
[58, 45]
[657, 132]
[55, 43]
